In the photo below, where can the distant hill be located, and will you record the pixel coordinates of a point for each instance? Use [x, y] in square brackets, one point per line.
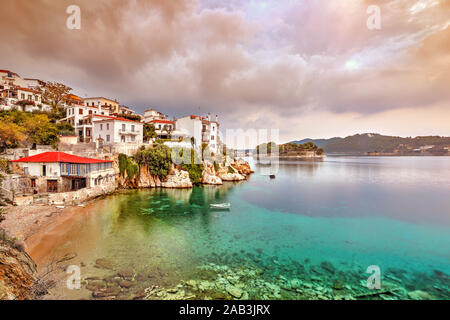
[318, 142]
[377, 143]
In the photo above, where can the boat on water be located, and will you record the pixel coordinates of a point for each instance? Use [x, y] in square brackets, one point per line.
[220, 205]
[272, 176]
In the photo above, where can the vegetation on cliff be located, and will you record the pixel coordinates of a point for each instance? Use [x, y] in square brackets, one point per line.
[157, 159]
[19, 128]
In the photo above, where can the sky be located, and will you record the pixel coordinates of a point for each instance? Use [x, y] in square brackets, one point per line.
[308, 68]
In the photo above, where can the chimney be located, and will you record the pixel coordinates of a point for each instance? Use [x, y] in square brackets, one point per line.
[209, 116]
[217, 118]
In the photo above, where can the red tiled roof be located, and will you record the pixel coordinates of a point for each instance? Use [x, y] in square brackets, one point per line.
[26, 89]
[73, 96]
[111, 118]
[59, 157]
[161, 121]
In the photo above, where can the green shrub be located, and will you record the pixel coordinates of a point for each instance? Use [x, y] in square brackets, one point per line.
[157, 159]
[231, 169]
[195, 172]
[123, 163]
[216, 166]
[132, 169]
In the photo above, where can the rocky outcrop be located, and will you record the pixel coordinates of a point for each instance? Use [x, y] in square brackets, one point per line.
[177, 179]
[231, 176]
[209, 174]
[242, 167]
[229, 170]
[17, 272]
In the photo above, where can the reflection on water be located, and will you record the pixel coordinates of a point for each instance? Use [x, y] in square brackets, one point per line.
[319, 223]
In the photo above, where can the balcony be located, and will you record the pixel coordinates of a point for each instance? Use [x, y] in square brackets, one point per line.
[128, 132]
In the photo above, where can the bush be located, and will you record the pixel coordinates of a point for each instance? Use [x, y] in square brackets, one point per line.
[216, 166]
[195, 172]
[123, 163]
[132, 169]
[157, 160]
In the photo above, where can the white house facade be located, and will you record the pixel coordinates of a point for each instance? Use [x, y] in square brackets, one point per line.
[202, 129]
[61, 172]
[114, 130]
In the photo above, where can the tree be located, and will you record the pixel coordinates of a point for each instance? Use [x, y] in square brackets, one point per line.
[55, 94]
[149, 131]
[158, 160]
[11, 135]
[169, 131]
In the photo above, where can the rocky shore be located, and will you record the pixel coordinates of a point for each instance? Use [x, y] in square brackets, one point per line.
[213, 174]
[252, 282]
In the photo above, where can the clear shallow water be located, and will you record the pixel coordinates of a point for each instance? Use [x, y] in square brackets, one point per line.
[319, 222]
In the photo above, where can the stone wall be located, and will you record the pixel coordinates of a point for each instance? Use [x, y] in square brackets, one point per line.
[79, 196]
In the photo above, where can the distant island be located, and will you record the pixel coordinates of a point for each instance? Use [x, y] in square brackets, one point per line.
[307, 150]
[380, 145]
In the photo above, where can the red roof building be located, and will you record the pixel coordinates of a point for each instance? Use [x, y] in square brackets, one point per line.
[59, 157]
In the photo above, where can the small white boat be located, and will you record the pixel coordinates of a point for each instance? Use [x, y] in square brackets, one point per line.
[220, 206]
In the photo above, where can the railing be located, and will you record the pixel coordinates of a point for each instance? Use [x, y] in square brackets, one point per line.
[128, 131]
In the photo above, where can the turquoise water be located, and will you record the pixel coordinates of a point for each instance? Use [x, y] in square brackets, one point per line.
[319, 222]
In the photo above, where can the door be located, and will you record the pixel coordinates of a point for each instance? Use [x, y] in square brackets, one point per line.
[52, 186]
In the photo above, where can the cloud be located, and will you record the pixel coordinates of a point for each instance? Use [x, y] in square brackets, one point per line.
[245, 60]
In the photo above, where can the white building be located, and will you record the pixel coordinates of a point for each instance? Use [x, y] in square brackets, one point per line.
[60, 172]
[11, 80]
[112, 105]
[76, 115]
[114, 130]
[151, 114]
[14, 89]
[126, 111]
[163, 128]
[202, 129]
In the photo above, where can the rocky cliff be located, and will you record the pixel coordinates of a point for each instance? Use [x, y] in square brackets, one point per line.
[177, 179]
[213, 174]
[18, 273]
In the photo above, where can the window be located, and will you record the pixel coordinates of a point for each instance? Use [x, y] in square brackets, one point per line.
[101, 126]
[132, 128]
[22, 96]
[73, 169]
[25, 170]
[133, 138]
[212, 138]
[90, 111]
[30, 97]
[36, 98]
[107, 125]
[123, 139]
[123, 127]
[33, 183]
[107, 138]
[80, 111]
